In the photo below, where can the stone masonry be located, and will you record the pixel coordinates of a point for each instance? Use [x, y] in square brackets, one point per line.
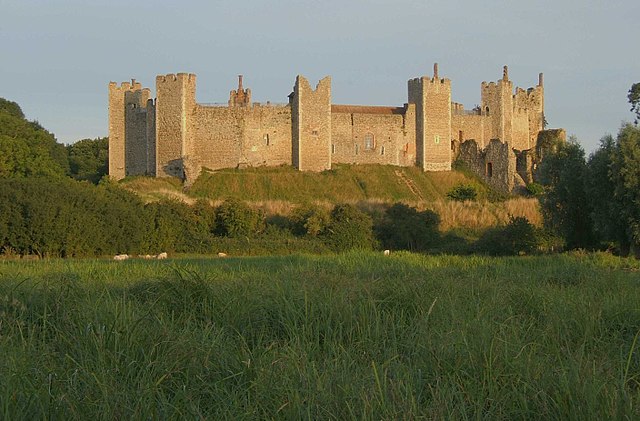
[173, 135]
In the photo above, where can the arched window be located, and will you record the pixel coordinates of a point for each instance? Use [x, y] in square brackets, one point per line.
[368, 142]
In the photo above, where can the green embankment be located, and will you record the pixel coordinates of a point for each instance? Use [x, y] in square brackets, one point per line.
[332, 337]
[344, 183]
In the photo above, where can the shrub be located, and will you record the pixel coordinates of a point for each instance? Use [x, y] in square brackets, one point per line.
[404, 228]
[349, 228]
[535, 189]
[519, 236]
[310, 220]
[462, 192]
[235, 218]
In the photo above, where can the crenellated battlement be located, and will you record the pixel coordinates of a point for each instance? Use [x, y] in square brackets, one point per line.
[175, 77]
[126, 86]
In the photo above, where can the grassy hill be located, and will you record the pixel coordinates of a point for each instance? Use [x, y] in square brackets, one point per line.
[278, 189]
[344, 183]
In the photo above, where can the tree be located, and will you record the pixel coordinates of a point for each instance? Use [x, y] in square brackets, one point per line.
[235, 218]
[566, 209]
[625, 176]
[89, 159]
[605, 206]
[26, 149]
[404, 228]
[349, 228]
[519, 236]
[634, 100]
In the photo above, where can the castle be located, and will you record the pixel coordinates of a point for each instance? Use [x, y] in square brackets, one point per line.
[173, 135]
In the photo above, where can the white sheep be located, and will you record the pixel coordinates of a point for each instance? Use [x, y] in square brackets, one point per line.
[386, 252]
[121, 257]
[162, 255]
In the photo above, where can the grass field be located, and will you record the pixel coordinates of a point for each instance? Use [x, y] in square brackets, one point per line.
[331, 337]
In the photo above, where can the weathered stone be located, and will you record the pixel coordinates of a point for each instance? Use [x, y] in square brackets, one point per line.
[173, 135]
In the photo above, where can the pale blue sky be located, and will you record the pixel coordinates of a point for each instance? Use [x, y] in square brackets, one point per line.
[57, 57]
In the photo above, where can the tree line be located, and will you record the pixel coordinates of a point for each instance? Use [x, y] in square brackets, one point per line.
[594, 202]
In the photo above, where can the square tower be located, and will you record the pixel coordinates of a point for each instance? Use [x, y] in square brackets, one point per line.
[432, 98]
[311, 125]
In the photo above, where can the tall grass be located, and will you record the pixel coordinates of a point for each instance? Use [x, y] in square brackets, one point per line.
[344, 337]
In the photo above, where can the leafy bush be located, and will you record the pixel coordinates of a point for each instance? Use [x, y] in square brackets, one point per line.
[310, 220]
[519, 236]
[535, 189]
[404, 228]
[349, 228]
[235, 218]
[462, 192]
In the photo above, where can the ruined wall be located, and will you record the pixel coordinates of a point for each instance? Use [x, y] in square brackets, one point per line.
[520, 138]
[311, 125]
[175, 104]
[495, 164]
[371, 135]
[467, 126]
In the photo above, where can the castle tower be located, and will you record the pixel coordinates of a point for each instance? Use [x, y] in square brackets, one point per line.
[128, 141]
[240, 97]
[311, 125]
[432, 98]
[176, 98]
[497, 104]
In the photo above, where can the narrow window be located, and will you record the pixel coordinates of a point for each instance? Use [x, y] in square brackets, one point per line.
[382, 150]
[314, 132]
[333, 148]
[486, 111]
[266, 139]
[357, 149]
[489, 169]
[436, 139]
[368, 142]
[460, 136]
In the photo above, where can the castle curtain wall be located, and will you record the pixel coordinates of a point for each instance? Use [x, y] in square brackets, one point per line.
[173, 135]
[373, 135]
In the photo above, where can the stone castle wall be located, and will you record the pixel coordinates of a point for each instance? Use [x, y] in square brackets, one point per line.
[252, 136]
[373, 135]
[173, 135]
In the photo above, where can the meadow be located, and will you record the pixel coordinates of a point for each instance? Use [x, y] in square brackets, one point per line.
[348, 336]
